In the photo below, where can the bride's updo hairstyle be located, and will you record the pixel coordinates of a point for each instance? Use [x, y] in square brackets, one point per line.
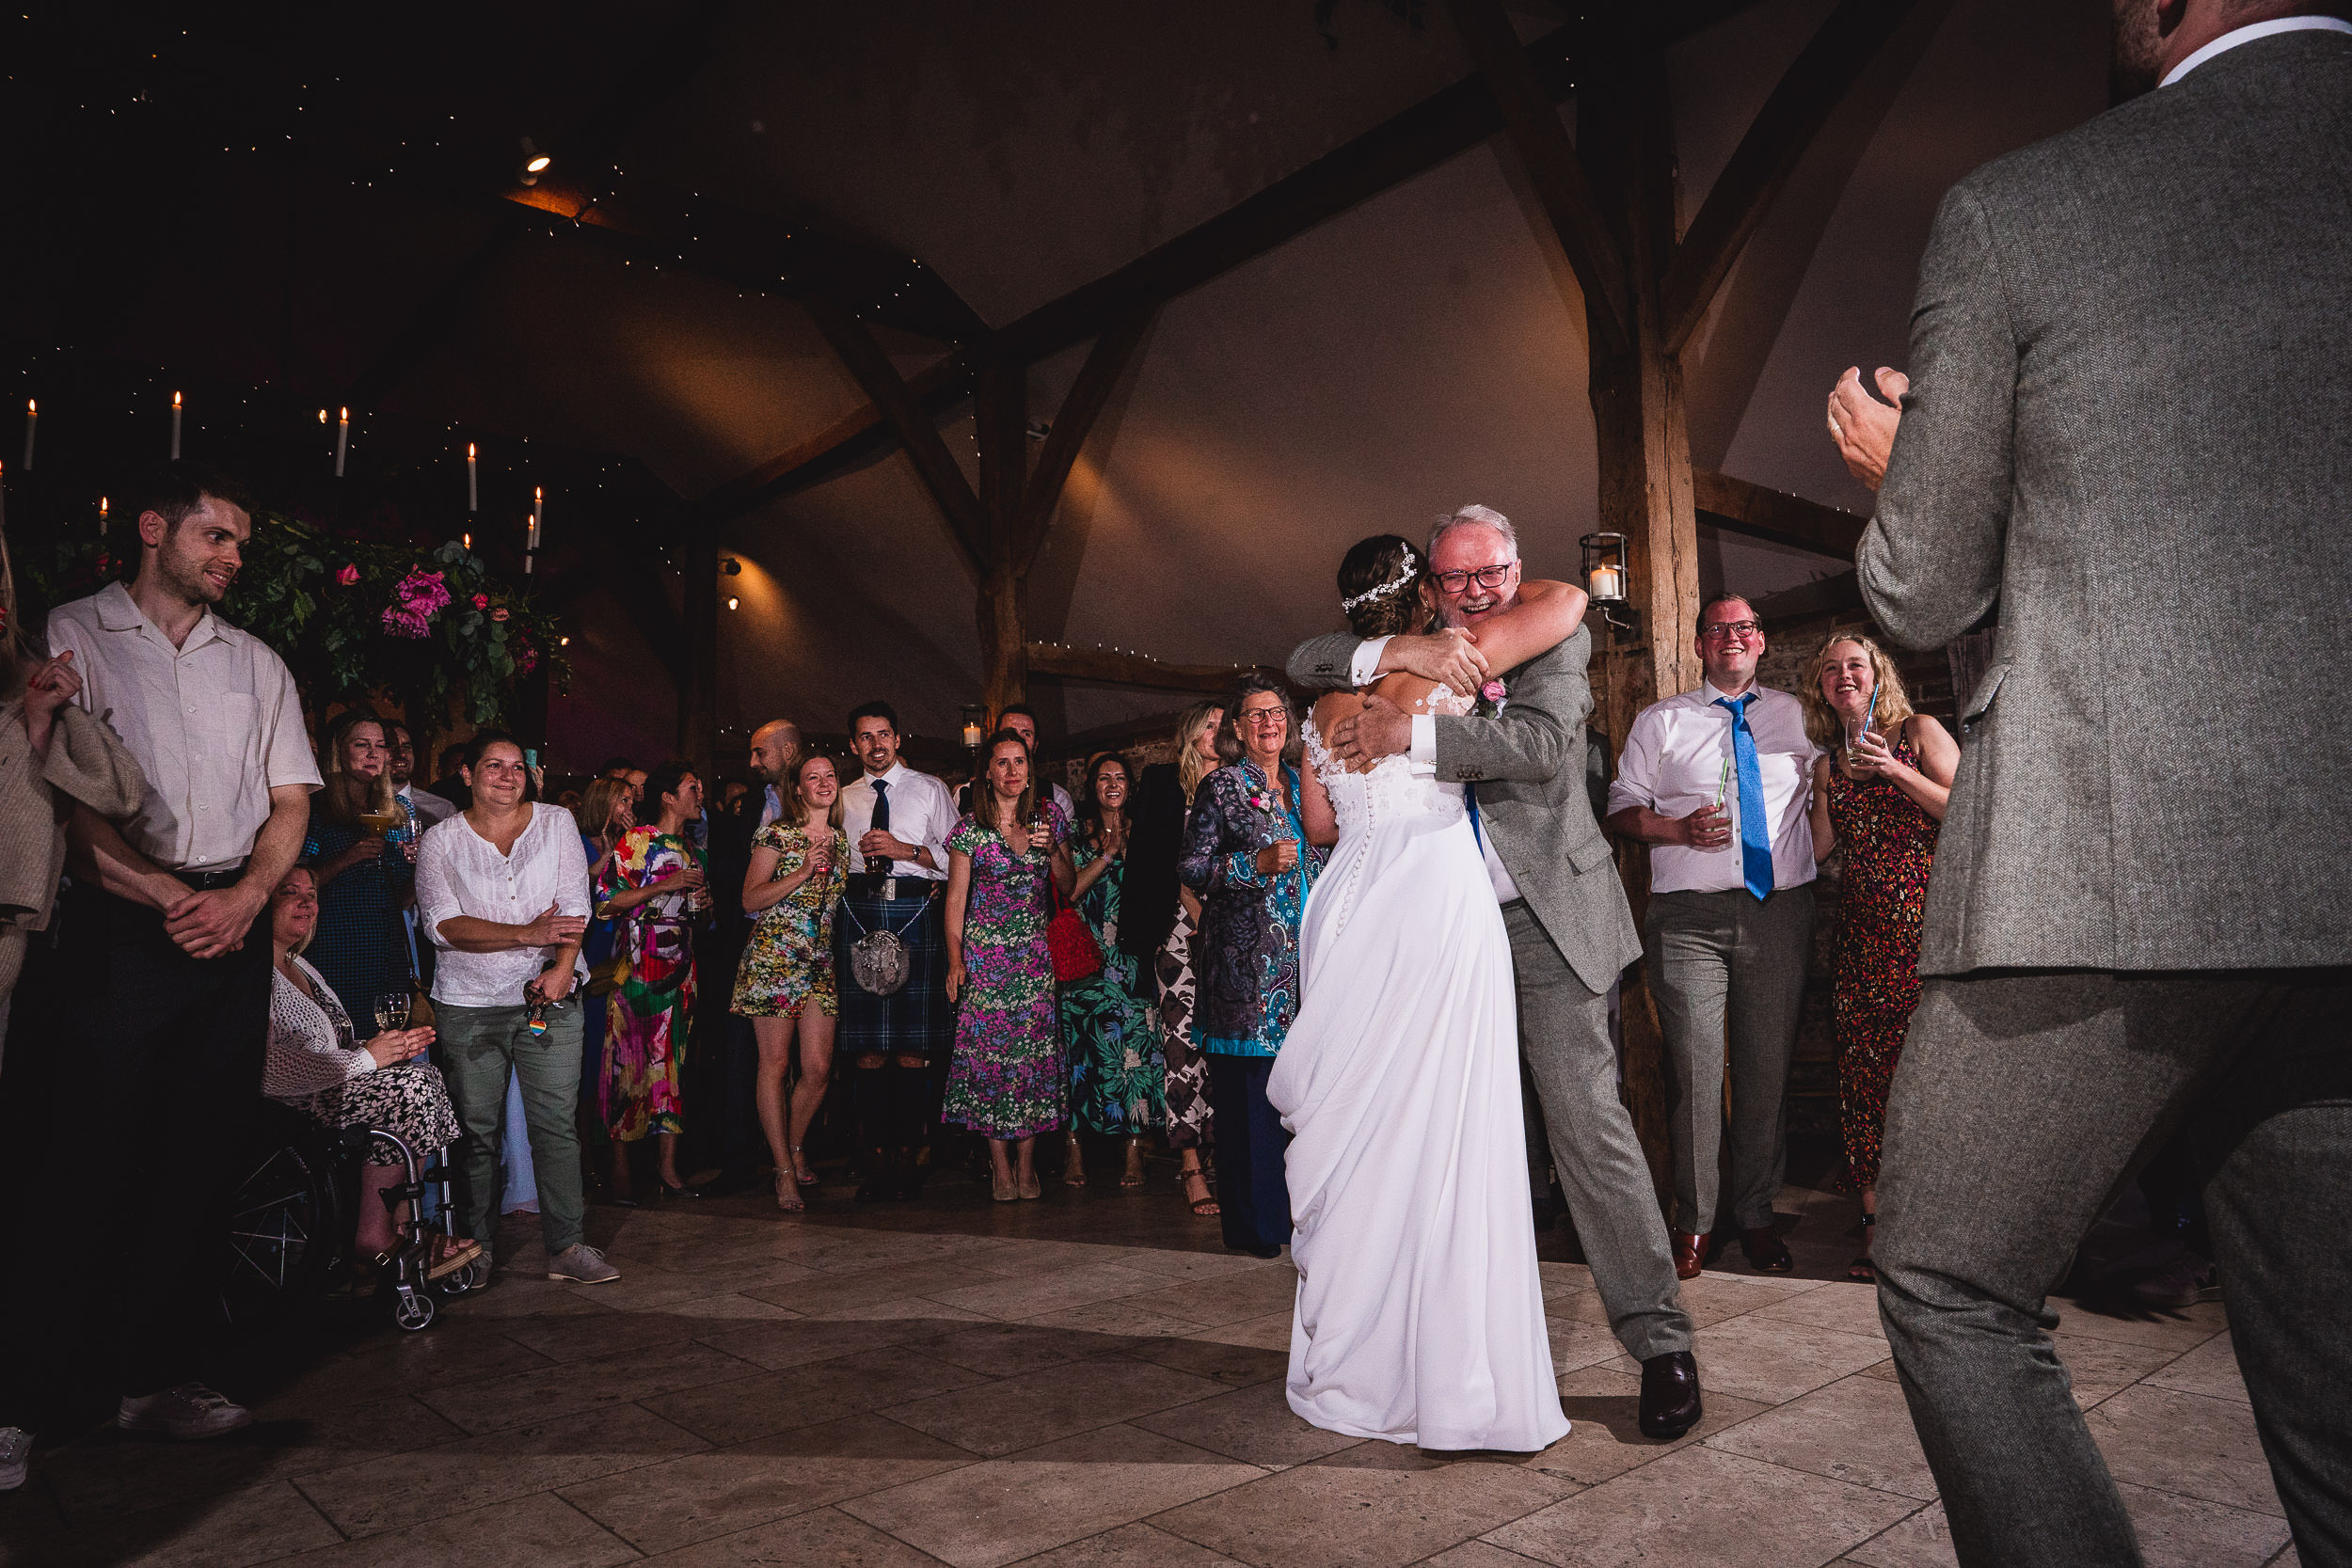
[1380, 586]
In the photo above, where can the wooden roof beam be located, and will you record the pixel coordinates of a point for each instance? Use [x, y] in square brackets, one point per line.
[959, 504]
[864, 431]
[1113, 353]
[1739, 507]
[1808, 94]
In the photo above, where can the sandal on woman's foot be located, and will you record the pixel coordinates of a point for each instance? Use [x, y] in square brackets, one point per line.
[803, 1171]
[788, 1194]
[1030, 1189]
[1003, 1192]
[1861, 1270]
[1073, 1165]
[1205, 1205]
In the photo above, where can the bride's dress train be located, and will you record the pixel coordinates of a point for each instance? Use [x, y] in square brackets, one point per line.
[1420, 1316]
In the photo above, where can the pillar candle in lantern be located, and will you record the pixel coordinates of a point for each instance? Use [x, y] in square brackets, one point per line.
[538, 508]
[101, 517]
[342, 441]
[32, 427]
[473, 494]
[1607, 583]
[175, 427]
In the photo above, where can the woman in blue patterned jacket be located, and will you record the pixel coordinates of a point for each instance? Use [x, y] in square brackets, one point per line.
[1247, 855]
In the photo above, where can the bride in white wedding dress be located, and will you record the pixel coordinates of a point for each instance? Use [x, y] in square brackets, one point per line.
[1420, 1314]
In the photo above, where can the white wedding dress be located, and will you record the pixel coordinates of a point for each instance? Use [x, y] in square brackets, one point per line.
[1420, 1316]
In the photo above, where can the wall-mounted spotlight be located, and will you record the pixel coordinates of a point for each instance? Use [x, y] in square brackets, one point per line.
[1037, 430]
[534, 163]
[731, 566]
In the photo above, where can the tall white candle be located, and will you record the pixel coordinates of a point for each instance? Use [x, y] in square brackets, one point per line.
[32, 427]
[101, 517]
[175, 427]
[474, 495]
[342, 441]
[538, 508]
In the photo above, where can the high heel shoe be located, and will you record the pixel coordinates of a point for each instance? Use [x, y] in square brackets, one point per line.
[810, 1180]
[1073, 1164]
[1029, 1188]
[677, 1189]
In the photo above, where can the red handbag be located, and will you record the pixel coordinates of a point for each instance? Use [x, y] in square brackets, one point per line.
[1076, 952]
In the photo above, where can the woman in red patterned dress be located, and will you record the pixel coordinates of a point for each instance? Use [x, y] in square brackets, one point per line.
[1879, 794]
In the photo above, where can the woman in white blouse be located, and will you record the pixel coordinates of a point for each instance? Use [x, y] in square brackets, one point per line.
[316, 1064]
[502, 892]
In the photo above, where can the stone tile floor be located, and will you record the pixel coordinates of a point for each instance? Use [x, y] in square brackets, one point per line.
[1082, 1383]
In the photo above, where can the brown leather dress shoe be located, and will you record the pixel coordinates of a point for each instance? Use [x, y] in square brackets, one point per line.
[1690, 1255]
[1670, 1395]
[1766, 1253]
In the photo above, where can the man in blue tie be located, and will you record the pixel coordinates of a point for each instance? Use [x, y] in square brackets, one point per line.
[1715, 782]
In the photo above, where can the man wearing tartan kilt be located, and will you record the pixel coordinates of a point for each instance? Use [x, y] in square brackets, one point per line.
[898, 821]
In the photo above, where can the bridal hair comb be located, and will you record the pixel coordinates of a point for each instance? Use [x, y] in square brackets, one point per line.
[1404, 579]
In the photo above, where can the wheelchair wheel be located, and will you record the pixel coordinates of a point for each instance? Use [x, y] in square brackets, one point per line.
[413, 1310]
[285, 1230]
[458, 1283]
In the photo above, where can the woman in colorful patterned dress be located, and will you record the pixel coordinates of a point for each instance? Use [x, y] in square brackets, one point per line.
[1191, 1126]
[651, 887]
[607, 811]
[784, 983]
[363, 842]
[1879, 794]
[1116, 1070]
[1006, 1083]
[1247, 855]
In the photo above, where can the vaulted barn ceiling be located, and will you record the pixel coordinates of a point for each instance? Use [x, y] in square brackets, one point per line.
[323, 203]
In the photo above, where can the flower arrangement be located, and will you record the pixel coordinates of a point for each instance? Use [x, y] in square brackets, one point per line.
[356, 618]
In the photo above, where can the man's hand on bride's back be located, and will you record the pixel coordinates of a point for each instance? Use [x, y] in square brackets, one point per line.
[1450, 658]
[1378, 729]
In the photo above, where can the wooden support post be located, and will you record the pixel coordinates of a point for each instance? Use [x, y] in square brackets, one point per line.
[699, 691]
[1000, 412]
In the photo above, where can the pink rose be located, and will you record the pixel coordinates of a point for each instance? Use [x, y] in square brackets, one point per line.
[348, 575]
[482, 601]
[526, 663]
[499, 614]
[1492, 691]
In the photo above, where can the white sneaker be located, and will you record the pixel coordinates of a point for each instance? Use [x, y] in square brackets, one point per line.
[582, 1263]
[189, 1411]
[16, 1451]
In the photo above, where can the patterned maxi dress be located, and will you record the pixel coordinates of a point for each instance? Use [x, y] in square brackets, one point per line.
[1889, 846]
[788, 960]
[648, 1018]
[1117, 1069]
[1006, 1080]
[1190, 1125]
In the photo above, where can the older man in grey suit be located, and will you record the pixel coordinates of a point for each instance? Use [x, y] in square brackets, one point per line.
[1563, 907]
[2125, 435]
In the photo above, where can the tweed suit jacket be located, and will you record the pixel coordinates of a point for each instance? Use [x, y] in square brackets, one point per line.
[2129, 435]
[1529, 764]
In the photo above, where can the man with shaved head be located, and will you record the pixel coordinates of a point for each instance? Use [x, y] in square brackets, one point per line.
[775, 747]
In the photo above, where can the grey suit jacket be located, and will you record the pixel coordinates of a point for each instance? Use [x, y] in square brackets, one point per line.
[1529, 764]
[2129, 430]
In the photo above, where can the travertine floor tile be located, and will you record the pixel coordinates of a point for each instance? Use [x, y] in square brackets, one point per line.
[822, 1538]
[2210, 1369]
[816, 1293]
[1857, 1430]
[2174, 1532]
[1712, 1298]
[540, 1531]
[2188, 1443]
[457, 1478]
[1230, 1299]
[1043, 1406]
[1605, 1439]
[257, 1525]
[1007, 1350]
[707, 1495]
[545, 1393]
[1773, 1362]
[1238, 1365]
[731, 1413]
[1476, 1554]
[1374, 1506]
[1701, 1508]
[2176, 1330]
[997, 1512]
[1848, 1309]
[1131, 1547]
[1254, 1425]
[801, 1340]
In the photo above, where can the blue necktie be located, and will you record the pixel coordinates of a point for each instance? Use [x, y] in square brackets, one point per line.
[1755, 834]
[1469, 799]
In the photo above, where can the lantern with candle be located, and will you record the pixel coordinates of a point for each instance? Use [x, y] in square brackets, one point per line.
[1606, 578]
[975, 726]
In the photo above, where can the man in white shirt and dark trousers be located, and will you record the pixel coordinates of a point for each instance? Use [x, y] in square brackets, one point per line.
[155, 1065]
[898, 821]
[1715, 781]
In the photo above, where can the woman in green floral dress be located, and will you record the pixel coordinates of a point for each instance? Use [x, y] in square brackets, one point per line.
[1006, 1081]
[1118, 1071]
[784, 983]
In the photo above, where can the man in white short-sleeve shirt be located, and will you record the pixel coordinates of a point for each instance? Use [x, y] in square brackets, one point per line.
[1715, 781]
[162, 980]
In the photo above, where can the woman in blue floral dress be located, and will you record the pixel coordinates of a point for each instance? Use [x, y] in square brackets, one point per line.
[1117, 1071]
[1005, 1084]
[1247, 855]
[362, 845]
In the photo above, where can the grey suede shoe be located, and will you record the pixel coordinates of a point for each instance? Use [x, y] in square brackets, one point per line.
[581, 1264]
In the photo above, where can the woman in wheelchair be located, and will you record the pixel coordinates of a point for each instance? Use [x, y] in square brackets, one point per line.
[317, 1065]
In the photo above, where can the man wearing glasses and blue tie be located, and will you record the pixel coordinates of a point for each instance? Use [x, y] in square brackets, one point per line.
[1715, 782]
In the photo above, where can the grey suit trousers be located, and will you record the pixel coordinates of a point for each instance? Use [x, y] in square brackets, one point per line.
[2025, 1099]
[1727, 974]
[1564, 1030]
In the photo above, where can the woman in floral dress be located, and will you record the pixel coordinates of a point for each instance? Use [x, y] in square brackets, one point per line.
[1117, 1069]
[1005, 1084]
[651, 887]
[1879, 794]
[784, 983]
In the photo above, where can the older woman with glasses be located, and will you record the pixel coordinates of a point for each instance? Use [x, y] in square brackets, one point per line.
[1247, 856]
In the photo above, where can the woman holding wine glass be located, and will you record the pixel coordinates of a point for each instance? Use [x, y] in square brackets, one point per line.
[363, 841]
[1879, 793]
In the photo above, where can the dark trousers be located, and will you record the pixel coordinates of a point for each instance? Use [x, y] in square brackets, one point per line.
[2023, 1103]
[1253, 1193]
[135, 1098]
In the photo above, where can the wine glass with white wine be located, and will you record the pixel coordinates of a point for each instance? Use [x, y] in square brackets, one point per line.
[392, 1011]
